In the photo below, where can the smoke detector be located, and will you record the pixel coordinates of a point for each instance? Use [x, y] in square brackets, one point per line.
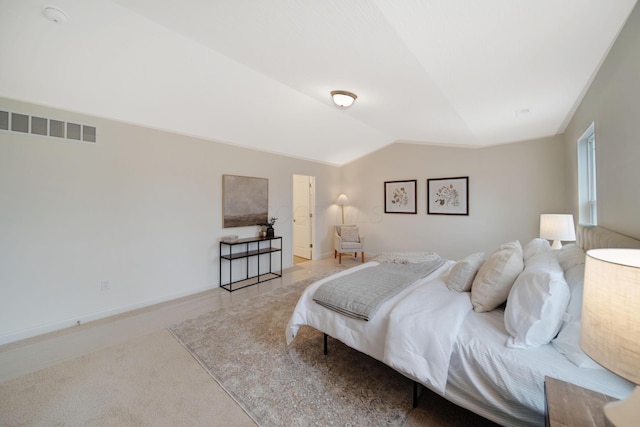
[54, 14]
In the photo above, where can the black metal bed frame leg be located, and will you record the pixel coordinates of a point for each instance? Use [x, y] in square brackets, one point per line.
[415, 383]
[326, 347]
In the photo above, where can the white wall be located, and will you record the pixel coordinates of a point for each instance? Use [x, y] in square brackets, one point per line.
[613, 103]
[509, 187]
[141, 209]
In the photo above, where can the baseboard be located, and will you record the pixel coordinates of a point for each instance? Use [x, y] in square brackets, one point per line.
[57, 326]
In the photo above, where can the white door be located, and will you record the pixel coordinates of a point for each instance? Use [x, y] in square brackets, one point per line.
[302, 215]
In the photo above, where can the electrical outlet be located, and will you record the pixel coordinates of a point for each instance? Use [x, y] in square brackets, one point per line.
[105, 285]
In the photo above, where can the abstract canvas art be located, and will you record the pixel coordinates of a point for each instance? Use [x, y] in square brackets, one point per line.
[245, 201]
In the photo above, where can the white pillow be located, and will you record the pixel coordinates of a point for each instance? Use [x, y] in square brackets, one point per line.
[493, 282]
[569, 256]
[575, 279]
[464, 271]
[537, 303]
[568, 340]
[535, 247]
[349, 234]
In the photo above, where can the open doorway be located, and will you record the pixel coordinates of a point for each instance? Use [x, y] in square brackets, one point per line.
[303, 217]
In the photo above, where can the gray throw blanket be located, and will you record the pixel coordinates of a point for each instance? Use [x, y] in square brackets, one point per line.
[362, 292]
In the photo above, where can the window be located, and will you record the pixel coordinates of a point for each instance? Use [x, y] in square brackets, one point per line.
[588, 207]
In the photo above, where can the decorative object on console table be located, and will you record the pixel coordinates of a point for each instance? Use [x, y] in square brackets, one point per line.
[270, 232]
[557, 227]
[448, 196]
[610, 332]
[569, 405]
[400, 197]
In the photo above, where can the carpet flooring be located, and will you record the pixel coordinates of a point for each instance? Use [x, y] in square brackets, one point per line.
[150, 381]
[243, 348]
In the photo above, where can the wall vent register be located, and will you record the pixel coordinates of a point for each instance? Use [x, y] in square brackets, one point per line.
[23, 123]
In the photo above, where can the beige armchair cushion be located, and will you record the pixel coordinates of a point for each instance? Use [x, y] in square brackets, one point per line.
[349, 234]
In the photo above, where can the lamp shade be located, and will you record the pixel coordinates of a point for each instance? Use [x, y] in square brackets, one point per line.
[557, 227]
[342, 98]
[610, 331]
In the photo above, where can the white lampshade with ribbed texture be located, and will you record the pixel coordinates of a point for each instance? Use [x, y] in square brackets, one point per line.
[557, 227]
[610, 327]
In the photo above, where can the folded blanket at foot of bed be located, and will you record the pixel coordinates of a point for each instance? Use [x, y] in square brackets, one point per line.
[362, 292]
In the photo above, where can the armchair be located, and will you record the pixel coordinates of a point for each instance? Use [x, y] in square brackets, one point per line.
[347, 240]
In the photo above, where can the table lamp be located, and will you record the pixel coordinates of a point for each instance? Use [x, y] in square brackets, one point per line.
[610, 332]
[557, 227]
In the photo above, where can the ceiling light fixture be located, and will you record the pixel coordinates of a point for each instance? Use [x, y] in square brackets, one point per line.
[342, 98]
[54, 14]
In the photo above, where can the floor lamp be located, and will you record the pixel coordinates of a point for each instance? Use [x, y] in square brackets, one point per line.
[342, 200]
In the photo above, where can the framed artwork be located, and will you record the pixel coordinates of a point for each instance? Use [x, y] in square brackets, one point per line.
[448, 196]
[400, 197]
[245, 201]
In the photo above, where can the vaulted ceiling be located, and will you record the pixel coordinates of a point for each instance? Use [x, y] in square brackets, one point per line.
[258, 73]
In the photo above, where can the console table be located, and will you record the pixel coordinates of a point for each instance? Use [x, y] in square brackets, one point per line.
[250, 248]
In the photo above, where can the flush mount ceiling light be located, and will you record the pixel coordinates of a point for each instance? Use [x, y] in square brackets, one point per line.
[342, 98]
[54, 14]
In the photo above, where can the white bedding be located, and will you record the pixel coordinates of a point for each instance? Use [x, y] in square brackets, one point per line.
[436, 313]
[367, 337]
[506, 385]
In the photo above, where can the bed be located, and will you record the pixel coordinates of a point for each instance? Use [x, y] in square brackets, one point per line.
[480, 357]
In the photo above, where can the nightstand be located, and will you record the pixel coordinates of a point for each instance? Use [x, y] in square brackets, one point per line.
[568, 405]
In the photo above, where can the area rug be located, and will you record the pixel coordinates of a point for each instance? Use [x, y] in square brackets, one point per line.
[243, 347]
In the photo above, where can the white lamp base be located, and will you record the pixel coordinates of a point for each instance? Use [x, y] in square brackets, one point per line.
[557, 244]
[626, 412]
